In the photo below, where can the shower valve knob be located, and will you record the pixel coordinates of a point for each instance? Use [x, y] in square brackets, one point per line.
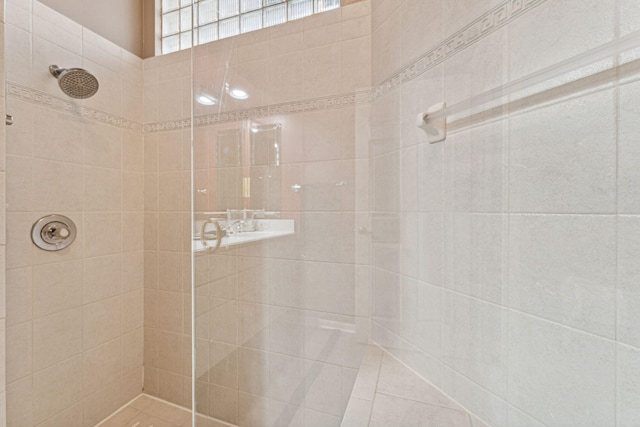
[55, 232]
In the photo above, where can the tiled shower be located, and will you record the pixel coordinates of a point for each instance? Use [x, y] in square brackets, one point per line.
[488, 279]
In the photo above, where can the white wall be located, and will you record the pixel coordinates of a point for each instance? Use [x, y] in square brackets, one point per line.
[510, 278]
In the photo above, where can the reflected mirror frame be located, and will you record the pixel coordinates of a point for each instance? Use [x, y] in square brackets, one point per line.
[257, 129]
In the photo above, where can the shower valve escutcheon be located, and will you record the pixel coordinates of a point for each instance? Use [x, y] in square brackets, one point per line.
[53, 232]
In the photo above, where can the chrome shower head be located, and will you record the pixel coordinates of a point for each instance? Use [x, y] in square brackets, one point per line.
[75, 82]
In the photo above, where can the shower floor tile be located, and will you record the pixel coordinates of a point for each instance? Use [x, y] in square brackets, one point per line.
[387, 393]
[146, 411]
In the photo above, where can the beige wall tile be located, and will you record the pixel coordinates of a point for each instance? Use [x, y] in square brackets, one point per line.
[170, 226]
[223, 403]
[151, 380]
[170, 351]
[56, 338]
[171, 387]
[170, 151]
[355, 53]
[102, 322]
[132, 310]
[151, 192]
[132, 191]
[151, 237]
[19, 351]
[20, 135]
[132, 231]
[19, 46]
[102, 403]
[132, 274]
[151, 269]
[132, 350]
[132, 383]
[102, 234]
[323, 70]
[102, 189]
[151, 152]
[56, 387]
[170, 188]
[133, 154]
[101, 277]
[19, 244]
[56, 287]
[63, 192]
[19, 181]
[170, 315]
[19, 295]
[102, 365]
[19, 402]
[57, 136]
[131, 99]
[67, 417]
[170, 271]
[102, 146]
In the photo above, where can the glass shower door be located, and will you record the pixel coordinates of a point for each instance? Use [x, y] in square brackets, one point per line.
[280, 173]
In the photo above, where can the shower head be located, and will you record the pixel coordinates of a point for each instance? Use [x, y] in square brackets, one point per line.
[75, 82]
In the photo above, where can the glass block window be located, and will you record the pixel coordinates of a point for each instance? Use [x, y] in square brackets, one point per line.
[193, 22]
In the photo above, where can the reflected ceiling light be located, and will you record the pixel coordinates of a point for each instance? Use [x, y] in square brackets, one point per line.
[238, 94]
[207, 100]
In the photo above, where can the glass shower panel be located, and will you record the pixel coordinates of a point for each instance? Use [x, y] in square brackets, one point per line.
[281, 312]
[499, 265]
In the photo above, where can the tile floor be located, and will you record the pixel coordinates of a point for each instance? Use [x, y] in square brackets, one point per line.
[387, 393]
[146, 411]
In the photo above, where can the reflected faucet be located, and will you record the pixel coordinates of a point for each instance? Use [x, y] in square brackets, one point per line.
[229, 228]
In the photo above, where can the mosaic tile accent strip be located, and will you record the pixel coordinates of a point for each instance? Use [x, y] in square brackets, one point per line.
[307, 105]
[34, 96]
[488, 23]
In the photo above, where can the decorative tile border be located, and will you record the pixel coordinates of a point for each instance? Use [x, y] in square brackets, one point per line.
[477, 30]
[487, 24]
[23, 93]
[480, 28]
[316, 104]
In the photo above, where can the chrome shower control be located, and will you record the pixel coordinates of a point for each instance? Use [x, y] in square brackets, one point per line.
[53, 232]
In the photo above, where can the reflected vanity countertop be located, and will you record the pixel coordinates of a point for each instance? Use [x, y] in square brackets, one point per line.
[268, 229]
